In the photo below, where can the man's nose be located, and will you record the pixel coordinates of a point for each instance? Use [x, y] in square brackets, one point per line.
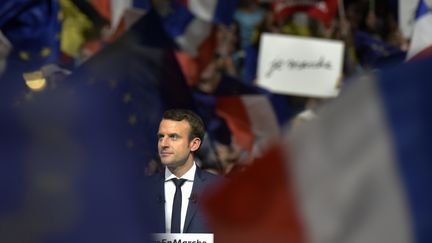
[163, 142]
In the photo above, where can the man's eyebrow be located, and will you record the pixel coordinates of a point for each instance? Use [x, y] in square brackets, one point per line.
[168, 134]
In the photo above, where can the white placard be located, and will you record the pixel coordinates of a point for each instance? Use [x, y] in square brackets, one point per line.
[302, 66]
[184, 237]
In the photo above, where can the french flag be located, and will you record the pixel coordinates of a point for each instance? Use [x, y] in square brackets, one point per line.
[215, 11]
[254, 116]
[361, 172]
[421, 42]
[190, 22]
[251, 119]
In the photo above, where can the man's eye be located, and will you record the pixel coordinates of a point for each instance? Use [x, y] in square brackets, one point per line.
[174, 137]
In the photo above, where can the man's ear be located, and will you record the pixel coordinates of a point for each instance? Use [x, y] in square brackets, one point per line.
[195, 144]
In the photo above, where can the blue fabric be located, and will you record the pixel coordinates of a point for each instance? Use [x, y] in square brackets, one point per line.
[375, 53]
[73, 158]
[11, 8]
[31, 27]
[216, 126]
[176, 16]
[422, 9]
[230, 86]
[222, 15]
[224, 11]
[176, 19]
[142, 4]
[250, 65]
[406, 96]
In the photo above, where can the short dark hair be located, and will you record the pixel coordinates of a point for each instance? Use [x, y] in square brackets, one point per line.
[195, 121]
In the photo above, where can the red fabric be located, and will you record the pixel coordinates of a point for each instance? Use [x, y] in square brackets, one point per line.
[103, 7]
[184, 2]
[424, 53]
[324, 10]
[121, 28]
[232, 110]
[258, 205]
[193, 66]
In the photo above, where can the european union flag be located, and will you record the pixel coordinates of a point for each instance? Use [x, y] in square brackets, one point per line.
[73, 154]
[33, 29]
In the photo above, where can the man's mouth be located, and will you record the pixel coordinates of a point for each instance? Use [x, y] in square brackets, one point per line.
[164, 154]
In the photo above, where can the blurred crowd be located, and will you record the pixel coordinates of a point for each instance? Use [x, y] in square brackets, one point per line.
[372, 41]
[369, 30]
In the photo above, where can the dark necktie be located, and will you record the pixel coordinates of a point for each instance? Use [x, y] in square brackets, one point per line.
[176, 210]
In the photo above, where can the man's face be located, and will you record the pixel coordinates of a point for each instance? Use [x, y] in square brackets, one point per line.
[174, 145]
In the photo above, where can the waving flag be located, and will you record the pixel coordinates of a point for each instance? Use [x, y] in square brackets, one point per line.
[359, 173]
[32, 27]
[73, 153]
[191, 24]
[421, 41]
[254, 116]
[214, 11]
[29, 30]
[121, 14]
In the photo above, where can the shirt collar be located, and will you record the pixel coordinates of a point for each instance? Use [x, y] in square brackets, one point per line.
[189, 175]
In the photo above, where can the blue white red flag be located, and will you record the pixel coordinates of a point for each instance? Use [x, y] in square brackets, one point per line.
[421, 41]
[361, 172]
[191, 24]
[254, 116]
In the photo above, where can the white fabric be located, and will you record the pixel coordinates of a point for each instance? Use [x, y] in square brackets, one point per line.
[263, 121]
[203, 9]
[194, 35]
[346, 175]
[118, 8]
[422, 35]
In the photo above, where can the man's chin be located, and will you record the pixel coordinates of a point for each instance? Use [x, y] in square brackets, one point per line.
[166, 162]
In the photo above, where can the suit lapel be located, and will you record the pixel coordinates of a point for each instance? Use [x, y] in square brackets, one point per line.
[160, 201]
[193, 199]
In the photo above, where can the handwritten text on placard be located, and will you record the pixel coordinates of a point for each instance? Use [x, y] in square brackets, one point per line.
[279, 64]
[302, 66]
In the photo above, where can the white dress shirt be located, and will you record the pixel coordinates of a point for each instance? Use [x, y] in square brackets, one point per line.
[170, 189]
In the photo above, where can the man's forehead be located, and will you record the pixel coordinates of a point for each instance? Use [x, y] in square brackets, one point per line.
[174, 125]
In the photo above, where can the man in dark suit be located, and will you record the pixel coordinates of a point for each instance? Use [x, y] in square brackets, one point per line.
[175, 193]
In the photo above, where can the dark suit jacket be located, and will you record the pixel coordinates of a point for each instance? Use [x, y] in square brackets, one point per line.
[195, 221]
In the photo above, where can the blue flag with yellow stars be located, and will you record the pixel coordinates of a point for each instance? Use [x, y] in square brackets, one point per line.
[73, 153]
[32, 28]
